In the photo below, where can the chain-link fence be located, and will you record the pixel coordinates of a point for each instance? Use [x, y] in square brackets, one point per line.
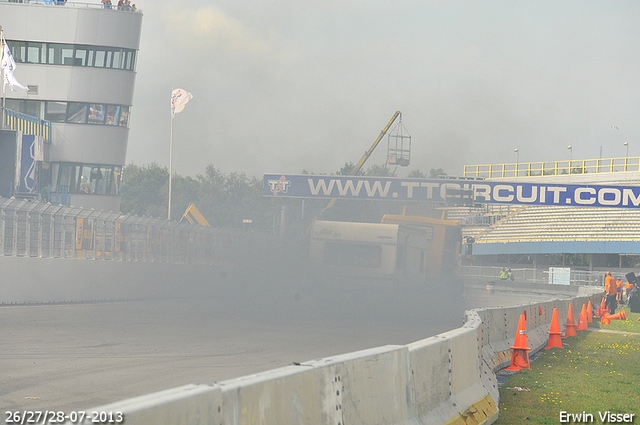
[36, 229]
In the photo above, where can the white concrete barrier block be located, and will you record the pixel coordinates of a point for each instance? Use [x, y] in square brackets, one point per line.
[365, 387]
[430, 363]
[289, 395]
[376, 386]
[187, 405]
[465, 361]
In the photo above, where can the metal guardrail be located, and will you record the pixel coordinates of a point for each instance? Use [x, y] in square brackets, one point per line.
[70, 3]
[531, 275]
[553, 168]
[37, 229]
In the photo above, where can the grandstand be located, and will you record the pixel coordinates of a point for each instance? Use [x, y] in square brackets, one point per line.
[564, 224]
[538, 231]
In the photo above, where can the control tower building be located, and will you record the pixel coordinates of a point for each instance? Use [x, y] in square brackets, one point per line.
[79, 62]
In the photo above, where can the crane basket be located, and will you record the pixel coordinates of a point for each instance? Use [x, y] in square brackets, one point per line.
[399, 146]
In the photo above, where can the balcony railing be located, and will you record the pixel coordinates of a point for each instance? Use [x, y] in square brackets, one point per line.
[553, 168]
[73, 4]
[27, 124]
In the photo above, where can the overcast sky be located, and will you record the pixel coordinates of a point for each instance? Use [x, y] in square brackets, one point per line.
[280, 86]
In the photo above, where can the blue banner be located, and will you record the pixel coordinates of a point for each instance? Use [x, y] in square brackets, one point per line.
[28, 168]
[440, 190]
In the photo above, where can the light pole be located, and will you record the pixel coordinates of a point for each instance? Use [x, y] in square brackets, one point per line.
[570, 156]
[626, 144]
[517, 155]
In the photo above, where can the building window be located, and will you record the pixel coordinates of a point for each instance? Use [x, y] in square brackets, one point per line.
[80, 56]
[77, 113]
[73, 55]
[55, 111]
[72, 112]
[96, 114]
[36, 53]
[86, 179]
[113, 113]
[28, 107]
[100, 55]
[124, 117]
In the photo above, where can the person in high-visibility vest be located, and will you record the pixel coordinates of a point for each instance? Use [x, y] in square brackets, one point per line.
[612, 293]
[503, 274]
[619, 287]
[629, 287]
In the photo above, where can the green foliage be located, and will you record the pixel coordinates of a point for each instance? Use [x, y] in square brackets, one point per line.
[436, 172]
[377, 170]
[347, 169]
[630, 325]
[224, 200]
[145, 190]
[417, 174]
[374, 170]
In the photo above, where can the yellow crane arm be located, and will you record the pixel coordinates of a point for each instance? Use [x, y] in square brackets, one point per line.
[368, 153]
[366, 156]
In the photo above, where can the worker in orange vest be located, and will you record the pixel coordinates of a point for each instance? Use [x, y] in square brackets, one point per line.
[619, 288]
[612, 293]
[629, 287]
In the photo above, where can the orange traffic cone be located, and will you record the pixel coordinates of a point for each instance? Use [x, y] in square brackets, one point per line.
[602, 307]
[520, 353]
[582, 319]
[598, 311]
[621, 315]
[570, 327]
[589, 312]
[555, 340]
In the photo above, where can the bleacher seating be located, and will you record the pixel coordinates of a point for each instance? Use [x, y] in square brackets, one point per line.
[551, 223]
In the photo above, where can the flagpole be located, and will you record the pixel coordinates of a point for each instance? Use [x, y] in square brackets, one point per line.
[179, 98]
[2, 75]
[170, 167]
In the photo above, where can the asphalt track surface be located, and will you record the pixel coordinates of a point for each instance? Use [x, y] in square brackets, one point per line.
[76, 356]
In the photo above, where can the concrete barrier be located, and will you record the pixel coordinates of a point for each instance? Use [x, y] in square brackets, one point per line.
[446, 379]
[189, 404]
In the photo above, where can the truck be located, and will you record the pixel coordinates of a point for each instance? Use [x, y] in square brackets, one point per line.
[401, 252]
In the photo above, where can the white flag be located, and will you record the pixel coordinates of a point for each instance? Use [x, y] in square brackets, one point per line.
[11, 80]
[8, 64]
[179, 98]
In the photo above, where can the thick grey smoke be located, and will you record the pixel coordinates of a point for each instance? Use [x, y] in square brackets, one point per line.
[283, 86]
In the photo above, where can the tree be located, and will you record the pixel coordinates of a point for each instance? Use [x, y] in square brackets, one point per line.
[379, 170]
[347, 169]
[436, 172]
[145, 190]
[416, 174]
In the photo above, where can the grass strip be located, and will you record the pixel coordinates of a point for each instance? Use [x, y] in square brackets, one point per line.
[594, 373]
